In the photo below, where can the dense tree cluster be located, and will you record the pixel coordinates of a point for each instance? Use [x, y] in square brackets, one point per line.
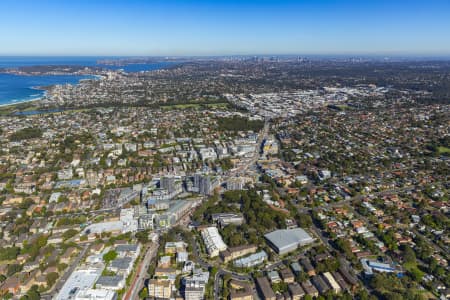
[239, 124]
[25, 134]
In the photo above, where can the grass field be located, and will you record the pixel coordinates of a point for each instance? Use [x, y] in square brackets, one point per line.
[443, 150]
[194, 106]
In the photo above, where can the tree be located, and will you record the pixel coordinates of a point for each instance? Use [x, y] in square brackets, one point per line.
[51, 278]
[143, 293]
[33, 293]
[142, 236]
[416, 274]
[69, 234]
[304, 220]
[13, 269]
[109, 256]
[61, 267]
[26, 133]
[9, 253]
[408, 255]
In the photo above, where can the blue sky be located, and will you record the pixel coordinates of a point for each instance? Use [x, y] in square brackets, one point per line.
[168, 27]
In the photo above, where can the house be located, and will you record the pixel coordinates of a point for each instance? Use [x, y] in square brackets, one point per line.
[240, 290]
[68, 254]
[287, 275]
[121, 265]
[296, 268]
[182, 256]
[30, 266]
[273, 276]
[22, 258]
[10, 285]
[128, 250]
[164, 262]
[320, 284]
[174, 247]
[310, 289]
[330, 280]
[307, 266]
[56, 238]
[341, 281]
[97, 248]
[165, 272]
[264, 289]
[296, 291]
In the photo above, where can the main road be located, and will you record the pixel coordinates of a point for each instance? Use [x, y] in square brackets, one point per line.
[141, 273]
[52, 294]
[256, 155]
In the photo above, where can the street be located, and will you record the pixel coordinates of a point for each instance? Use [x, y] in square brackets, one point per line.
[141, 273]
[52, 293]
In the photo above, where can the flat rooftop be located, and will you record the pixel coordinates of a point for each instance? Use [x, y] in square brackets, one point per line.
[286, 238]
[81, 279]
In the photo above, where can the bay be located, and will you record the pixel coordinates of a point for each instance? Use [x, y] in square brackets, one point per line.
[19, 88]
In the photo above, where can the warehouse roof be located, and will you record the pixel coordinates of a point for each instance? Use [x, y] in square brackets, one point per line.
[286, 238]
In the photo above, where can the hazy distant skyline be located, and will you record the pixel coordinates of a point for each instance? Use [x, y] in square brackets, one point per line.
[141, 28]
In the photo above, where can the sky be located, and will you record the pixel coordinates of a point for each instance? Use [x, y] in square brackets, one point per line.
[224, 27]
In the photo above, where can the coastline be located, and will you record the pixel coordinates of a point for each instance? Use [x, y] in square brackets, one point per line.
[21, 102]
[14, 102]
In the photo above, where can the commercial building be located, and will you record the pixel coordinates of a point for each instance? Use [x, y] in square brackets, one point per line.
[286, 240]
[182, 257]
[371, 266]
[171, 184]
[79, 280]
[235, 183]
[174, 247]
[251, 260]
[156, 205]
[127, 223]
[213, 241]
[194, 286]
[121, 265]
[236, 252]
[194, 290]
[115, 282]
[159, 289]
[270, 146]
[95, 294]
[128, 250]
[224, 219]
[205, 184]
[147, 221]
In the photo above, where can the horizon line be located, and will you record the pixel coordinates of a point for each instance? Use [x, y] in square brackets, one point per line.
[340, 55]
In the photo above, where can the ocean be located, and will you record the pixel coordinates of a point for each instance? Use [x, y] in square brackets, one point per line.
[18, 88]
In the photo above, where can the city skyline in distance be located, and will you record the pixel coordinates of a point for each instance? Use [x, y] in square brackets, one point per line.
[223, 28]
